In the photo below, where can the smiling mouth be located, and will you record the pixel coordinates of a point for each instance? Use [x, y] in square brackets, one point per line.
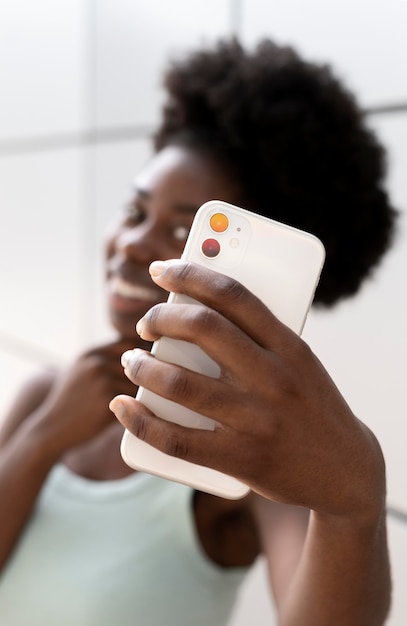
[131, 291]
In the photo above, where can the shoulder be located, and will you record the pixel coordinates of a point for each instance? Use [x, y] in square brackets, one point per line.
[31, 395]
[38, 386]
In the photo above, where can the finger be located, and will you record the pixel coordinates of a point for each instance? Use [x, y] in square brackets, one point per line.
[111, 352]
[207, 328]
[223, 294]
[207, 396]
[216, 449]
[107, 358]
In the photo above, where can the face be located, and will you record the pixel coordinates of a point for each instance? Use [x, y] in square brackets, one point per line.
[155, 225]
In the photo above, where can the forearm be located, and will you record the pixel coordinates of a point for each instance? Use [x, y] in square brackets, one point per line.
[25, 461]
[343, 576]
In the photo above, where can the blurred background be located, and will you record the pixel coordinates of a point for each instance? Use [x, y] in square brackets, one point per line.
[79, 97]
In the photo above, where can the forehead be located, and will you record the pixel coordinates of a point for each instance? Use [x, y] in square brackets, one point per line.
[185, 174]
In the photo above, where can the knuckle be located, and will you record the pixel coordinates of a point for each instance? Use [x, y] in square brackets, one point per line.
[212, 403]
[230, 289]
[137, 365]
[300, 351]
[183, 272]
[281, 377]
[152, 316]
[91, 352]
[176, 445]
[178, 386]
[203, 319]
[93, 364]
[105, 386]
[178, 273]
[139, 426]
[305, 351]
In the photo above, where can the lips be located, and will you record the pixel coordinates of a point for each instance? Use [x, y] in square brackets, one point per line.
[130, 297]
[125, 289]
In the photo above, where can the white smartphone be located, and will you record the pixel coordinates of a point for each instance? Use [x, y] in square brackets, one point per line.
[281, 265]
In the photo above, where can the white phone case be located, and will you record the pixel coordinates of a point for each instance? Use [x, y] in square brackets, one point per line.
[281, 266]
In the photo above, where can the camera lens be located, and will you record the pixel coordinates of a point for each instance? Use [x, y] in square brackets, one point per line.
[210, 248]
[219, 222]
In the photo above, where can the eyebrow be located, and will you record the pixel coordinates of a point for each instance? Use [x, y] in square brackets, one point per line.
[186, 209]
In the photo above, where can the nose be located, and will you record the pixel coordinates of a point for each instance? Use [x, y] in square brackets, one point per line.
[141, 244]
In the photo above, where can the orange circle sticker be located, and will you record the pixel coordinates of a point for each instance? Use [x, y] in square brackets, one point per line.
[219, 222]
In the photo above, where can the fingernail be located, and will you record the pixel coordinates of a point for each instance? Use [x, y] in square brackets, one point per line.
[125, 357]
[140, 327]
[157, 267]
[117, 407]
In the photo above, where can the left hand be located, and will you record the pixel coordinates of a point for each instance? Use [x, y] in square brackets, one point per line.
[283, 427]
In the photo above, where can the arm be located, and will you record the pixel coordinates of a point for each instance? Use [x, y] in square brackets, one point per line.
[284, 429]
[343, 575]
[25, 460]
[282, 531]
[321, 573]
[51, 415]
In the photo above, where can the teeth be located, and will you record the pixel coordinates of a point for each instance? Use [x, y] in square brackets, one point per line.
[129, 290]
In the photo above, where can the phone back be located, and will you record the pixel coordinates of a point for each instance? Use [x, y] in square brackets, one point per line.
[281, 266]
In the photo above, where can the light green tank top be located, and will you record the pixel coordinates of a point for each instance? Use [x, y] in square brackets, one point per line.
[114, 553]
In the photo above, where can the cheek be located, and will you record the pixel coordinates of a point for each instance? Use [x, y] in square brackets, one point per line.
[112, 231]
[111, 237]
[109, 247]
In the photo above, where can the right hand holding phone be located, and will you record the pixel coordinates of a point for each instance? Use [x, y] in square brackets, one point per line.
[284, 428]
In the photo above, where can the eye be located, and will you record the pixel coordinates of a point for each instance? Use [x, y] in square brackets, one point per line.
[180, 233]
[133, 211]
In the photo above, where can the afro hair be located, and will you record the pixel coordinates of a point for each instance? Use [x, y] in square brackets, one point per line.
[297, 141]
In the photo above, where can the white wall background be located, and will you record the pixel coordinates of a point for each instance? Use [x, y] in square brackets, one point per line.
[79, 96]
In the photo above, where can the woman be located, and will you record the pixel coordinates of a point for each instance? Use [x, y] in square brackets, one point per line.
[88, 541]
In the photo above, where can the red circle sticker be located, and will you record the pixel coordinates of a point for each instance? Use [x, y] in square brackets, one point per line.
[210, 248]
